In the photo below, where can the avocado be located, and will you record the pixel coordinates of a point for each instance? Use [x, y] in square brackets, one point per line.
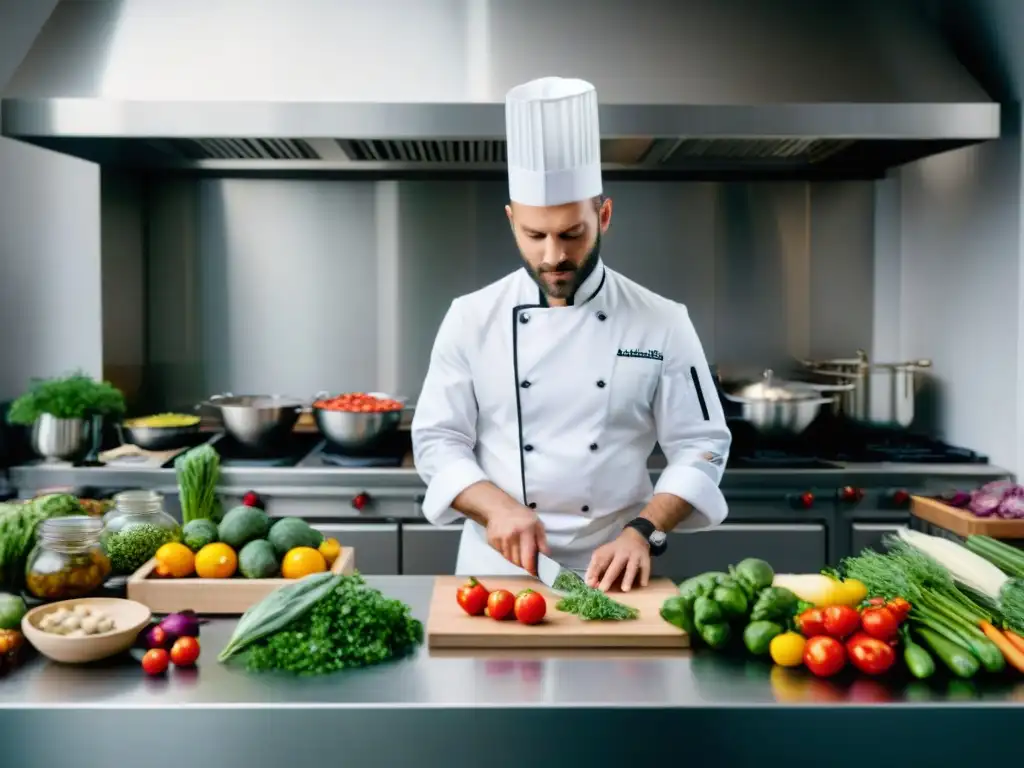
[257, 560]
[241, 525]
[198, 533]
[291, 532]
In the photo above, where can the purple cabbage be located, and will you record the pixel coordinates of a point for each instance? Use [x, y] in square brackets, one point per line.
[1000, 498]
[1012, 506]
[984, 503]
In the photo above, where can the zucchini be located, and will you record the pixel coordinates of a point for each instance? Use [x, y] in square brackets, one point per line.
[958, 660]
[955, 632]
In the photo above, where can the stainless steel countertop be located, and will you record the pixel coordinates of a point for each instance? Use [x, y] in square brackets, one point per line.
[509, 680]
[427, 710]
[405, 482]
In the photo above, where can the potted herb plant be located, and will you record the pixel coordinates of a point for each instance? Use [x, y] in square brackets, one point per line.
[58, 411]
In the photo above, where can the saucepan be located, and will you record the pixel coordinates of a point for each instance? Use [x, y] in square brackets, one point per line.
[350, 430]
[775, 405]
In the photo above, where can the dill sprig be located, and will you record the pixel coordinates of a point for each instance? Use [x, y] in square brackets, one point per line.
[588, 603]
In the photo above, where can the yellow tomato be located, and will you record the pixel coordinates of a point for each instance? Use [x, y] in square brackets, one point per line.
[216, 561]
[302, 561]
[330, 549]
[855, 591]
[175, 560]
[787, 649]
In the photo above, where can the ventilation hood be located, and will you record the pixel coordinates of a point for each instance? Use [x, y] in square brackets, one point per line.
[687, 87]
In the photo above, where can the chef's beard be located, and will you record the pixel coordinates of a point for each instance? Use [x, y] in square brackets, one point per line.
[580, 273]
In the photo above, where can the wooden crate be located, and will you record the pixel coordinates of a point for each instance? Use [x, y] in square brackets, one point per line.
[212, 596]
[962, 522]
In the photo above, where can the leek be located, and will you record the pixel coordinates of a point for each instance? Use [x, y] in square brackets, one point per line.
[973, 572]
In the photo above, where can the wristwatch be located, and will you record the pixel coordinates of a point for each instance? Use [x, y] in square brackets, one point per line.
[656, 540]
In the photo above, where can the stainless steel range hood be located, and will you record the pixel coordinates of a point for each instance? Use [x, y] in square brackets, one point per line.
[690, 87]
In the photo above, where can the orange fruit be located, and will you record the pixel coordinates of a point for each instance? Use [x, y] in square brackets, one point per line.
[302, 561]
[175, 560]
[216, 561]
[330, 549]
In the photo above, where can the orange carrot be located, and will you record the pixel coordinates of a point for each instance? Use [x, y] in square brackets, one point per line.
[1014, 638]
[1014, 656]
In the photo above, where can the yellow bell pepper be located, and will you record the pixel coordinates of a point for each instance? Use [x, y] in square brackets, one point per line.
[821, 590]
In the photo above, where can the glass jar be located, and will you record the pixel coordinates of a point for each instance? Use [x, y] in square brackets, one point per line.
[68, 560]
[135, 529]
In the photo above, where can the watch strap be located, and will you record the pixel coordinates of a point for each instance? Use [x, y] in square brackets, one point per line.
[647, 529]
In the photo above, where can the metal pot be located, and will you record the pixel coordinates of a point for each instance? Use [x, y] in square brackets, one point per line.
[352, 431]
[883, 394]
[774, 405]
[257, 421]
[59, 439]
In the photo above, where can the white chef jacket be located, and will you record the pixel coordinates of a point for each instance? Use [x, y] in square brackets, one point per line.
[560, 407]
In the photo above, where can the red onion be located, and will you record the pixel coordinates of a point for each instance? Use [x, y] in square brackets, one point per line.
[183, 624]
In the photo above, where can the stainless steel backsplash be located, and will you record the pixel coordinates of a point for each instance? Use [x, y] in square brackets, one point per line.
[296, 286]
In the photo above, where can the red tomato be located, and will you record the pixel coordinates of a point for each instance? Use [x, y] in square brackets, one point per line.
[869, 654]
[500, 604]
[811, 622]
[879, 622]
[899, 607]
[841, 621]
[824, 656]
[185, 651]
[155, 661]
[530, 606]
[472, 597]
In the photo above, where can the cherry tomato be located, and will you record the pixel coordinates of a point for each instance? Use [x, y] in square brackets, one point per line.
[359, 402]
[869, 654]
[841, 621]
[500, 604]
[472, 597]
[880, 622]
[530, 606]
[824, 656]
[876, 601]
[155, 661]
[811, 622]
[185, 651]
[899, 607]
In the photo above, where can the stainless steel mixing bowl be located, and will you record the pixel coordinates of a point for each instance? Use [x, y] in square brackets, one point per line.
[258, 421]
[355, 431]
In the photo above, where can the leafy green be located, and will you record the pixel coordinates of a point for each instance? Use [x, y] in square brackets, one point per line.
[588, 603]
[18, 531]
[76, 396]
[354, 625]
[198, 473]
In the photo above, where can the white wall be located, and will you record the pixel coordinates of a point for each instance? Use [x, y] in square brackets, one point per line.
[949, 272]
[49, 241]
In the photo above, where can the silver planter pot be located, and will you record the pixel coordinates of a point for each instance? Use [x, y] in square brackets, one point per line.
[59, 439]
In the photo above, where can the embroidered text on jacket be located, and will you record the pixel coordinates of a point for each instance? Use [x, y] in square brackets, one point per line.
[650, 354]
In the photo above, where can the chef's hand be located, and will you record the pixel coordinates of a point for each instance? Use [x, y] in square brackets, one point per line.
[628, 556]
[518, 533]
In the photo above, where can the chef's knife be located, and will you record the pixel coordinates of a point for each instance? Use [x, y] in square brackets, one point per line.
[548, 570]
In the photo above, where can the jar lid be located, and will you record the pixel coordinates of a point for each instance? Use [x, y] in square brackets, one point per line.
[75, 528]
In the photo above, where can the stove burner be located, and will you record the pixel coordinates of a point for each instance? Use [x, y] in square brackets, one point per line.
[288, 453]
[389, 451]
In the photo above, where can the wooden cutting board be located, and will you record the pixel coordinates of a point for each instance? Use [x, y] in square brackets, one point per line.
[962, 522]
[448, 626]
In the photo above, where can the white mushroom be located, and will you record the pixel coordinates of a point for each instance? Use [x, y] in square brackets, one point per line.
[71, 623]
[106, 624]
[82, 610]
[60, 614]
[90, 625]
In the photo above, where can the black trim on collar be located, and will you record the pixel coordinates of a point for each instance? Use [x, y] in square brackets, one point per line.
[542, 299]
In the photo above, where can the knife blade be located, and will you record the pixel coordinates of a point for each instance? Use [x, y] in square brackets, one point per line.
[548, 570]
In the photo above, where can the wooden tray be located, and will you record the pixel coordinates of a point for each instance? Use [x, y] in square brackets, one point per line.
[448, 626]
[962, 522]
[212, 596]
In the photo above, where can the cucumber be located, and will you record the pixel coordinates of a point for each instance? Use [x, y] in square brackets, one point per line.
[981, 647]
[956, 658]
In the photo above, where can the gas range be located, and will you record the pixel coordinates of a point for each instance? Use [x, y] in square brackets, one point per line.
[832, 440]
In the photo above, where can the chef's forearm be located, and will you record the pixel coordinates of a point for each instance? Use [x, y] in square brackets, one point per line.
[481, 500]
[666, 511]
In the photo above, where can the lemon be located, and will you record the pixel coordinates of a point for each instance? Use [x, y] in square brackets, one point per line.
[175, 560]
[787, 649]
[330, 549]
[216, 561]
[302, 561]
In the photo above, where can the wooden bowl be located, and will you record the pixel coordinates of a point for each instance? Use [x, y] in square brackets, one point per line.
[129, 618]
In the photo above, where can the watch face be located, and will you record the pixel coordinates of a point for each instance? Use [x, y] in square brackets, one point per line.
[658, 538]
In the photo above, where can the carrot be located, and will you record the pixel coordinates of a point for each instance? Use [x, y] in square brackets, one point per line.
[1014, 638]
[1013, 655]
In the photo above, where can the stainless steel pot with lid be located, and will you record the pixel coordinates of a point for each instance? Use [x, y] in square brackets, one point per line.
[882, 393]
[777, 405]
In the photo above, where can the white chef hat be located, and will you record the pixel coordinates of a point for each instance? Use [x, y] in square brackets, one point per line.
[554, 142]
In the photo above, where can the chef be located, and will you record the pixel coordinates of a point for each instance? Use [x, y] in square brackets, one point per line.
[548, 389]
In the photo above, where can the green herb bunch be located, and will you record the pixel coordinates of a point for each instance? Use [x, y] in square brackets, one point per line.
[76, 396]
[588, 603]
[352, 626]
[131, 547]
